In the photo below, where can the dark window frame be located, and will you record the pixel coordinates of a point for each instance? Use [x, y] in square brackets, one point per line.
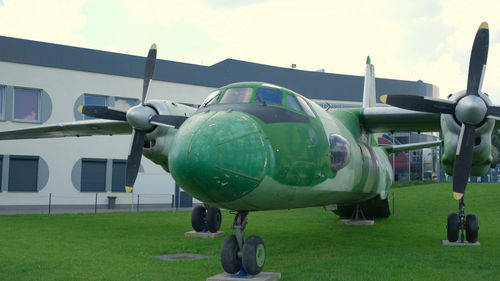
[115, 187]
[11, 187]
[39, 105]
[93, 188]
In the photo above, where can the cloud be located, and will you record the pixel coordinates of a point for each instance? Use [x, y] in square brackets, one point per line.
[54, 21]
[409, 40]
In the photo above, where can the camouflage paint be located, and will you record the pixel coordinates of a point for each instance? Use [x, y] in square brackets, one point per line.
[235, 160]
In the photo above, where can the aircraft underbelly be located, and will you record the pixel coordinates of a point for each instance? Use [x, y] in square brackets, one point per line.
[272, 195]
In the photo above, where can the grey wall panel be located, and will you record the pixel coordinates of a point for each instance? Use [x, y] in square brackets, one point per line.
[9, 102]
[76, 175]
[45, 107]
[43, 174]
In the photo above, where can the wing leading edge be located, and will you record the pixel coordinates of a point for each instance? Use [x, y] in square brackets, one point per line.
[71, 129]
[392, 119]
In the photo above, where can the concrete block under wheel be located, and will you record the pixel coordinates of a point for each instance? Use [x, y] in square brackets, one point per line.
[458, 243]
[263, 276]
[356, 222]
[195, 234]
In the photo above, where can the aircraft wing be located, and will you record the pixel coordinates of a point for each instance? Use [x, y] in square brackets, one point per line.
[71, 129]
[393, 119]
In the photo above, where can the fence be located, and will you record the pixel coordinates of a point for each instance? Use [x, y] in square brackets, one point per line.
[11, 202]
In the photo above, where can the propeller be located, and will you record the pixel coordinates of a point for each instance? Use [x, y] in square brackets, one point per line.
[142, 118]
[470, 110]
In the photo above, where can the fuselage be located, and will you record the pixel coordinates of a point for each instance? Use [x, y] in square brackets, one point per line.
[256, 146]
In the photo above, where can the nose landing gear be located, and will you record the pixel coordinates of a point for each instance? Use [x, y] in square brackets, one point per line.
[460, 223]
[242, 256]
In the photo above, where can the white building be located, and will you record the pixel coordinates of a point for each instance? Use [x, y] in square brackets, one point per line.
[42, 83]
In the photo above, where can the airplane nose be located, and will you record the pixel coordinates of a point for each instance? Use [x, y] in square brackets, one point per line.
[219, 156]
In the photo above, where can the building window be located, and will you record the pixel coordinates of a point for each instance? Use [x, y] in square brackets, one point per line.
[118, 176]
[23, 173]
[124, 103]
[26, 105]
[93, 175]
[94, 100]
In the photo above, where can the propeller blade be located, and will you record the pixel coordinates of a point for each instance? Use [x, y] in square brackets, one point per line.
[148, 72]
[478, 58]
[169, 120]
[103, 112]
[419, 103]
[134, 159]
[493, 111]
[463, 160]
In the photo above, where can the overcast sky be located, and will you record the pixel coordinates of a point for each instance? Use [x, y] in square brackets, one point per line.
[410, 40]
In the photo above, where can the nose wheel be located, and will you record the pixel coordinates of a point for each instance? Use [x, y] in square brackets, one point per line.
[243, 256]
[206, 218]
[459, 223]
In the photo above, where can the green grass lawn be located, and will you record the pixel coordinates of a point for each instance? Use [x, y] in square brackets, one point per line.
[302, 244]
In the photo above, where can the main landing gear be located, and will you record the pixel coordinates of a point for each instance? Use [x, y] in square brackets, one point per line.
[242, 256]
[205, 218]
[460, 223]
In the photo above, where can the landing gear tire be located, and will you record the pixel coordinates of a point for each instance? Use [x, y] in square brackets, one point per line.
[198, 218]
[213, 219]
[254, 255]
[230, 261]
[452, 227]
[471, 228]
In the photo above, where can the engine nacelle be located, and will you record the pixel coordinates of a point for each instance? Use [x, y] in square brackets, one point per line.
[450, 133]
[157, 142]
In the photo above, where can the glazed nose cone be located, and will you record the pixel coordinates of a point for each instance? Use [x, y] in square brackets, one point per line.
[219, 156]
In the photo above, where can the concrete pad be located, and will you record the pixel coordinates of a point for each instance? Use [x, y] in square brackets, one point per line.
[181, 256]
[458, 243]
[356, 222]
[195, 234]
[263, 276]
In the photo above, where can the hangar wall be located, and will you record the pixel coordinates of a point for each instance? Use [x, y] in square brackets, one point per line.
[63, 76]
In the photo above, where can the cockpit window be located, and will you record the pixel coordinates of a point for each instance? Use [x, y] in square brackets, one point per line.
[340, 152]
[292, 103]
[211, 98]
[305, 106]
[271, 96]
[237, 95]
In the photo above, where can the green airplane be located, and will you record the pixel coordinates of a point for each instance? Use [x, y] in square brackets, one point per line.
[254, 146]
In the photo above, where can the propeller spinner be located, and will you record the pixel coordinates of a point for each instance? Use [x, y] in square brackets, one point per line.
[470, 110]
[142, 118]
